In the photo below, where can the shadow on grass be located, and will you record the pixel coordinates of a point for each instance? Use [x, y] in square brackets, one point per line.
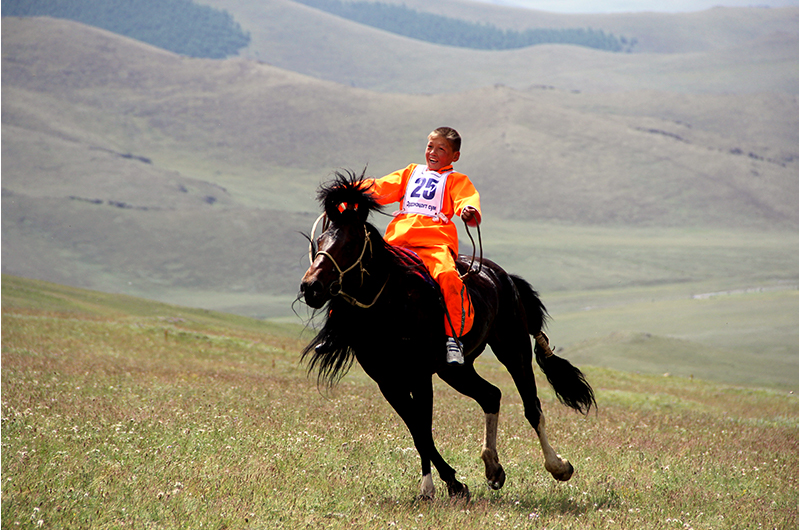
[545, 503]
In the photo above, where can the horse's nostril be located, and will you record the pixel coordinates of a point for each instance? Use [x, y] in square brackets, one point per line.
[311, 288]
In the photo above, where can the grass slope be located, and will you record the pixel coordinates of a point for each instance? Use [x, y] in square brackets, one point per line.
[121, 412]
[718, 305]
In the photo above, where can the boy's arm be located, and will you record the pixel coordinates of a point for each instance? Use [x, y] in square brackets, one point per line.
[467, 201]
[391, 188]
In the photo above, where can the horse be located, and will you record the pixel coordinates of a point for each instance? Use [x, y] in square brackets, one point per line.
[384, 311]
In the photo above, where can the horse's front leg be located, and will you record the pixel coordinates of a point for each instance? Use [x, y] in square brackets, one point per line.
[455, 489]
[415, 408]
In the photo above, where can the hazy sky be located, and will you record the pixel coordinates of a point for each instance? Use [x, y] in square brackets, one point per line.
[622, 6]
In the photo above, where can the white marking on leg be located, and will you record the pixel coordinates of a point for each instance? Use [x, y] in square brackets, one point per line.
[560, 468]
[495, 476]
[427, 490]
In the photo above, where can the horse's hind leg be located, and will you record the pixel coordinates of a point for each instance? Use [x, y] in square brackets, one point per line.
[495, 474]
[517, 356]
[559, 467]
[467, 381]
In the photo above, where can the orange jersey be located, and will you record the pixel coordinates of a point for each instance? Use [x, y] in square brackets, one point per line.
[428, 202]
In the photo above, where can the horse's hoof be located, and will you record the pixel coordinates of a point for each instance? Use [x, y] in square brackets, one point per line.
[565, 475]
[458, 492]
[427, 491]
[497, 480]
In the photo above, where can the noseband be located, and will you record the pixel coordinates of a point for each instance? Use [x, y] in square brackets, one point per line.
[335, 288]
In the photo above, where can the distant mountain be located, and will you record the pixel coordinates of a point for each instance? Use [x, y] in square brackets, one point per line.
[180, 26]
[402, 20]
[689, 52]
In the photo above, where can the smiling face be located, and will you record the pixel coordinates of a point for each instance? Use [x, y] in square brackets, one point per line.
[439, 153]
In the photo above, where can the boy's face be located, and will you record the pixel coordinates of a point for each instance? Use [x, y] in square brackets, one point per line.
[439, 154]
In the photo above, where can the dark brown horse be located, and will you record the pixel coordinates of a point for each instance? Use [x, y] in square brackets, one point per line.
[384, 311]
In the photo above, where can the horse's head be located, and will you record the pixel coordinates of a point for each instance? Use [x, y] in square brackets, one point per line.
[339, 255]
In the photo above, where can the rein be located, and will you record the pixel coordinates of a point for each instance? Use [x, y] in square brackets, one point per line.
[335, 288]
[480, 244]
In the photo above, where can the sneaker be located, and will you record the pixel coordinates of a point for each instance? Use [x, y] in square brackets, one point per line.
[454, 353]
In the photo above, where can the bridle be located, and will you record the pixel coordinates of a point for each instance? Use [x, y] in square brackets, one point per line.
[335, 288]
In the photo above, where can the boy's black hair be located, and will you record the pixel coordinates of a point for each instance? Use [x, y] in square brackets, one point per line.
[451, 135]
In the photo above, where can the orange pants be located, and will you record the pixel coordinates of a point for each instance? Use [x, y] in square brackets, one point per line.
[440, 263]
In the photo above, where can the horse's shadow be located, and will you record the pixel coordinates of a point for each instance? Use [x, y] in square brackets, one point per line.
[545, 504]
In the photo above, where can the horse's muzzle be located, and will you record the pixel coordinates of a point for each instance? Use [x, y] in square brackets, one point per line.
[314, 293]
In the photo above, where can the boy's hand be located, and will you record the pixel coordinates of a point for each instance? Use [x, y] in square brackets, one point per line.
[471, 216]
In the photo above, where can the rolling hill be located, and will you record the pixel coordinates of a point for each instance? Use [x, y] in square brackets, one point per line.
[719, 50]
[130, 169]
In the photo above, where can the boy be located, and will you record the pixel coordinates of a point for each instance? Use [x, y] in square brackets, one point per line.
[430, 196]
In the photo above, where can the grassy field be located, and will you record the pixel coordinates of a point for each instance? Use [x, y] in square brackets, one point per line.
[118, 412]
[712, 304]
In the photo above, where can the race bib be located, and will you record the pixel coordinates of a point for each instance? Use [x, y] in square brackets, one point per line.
[425, 192]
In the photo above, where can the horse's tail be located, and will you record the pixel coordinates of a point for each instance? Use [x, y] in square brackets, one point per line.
[568, 382]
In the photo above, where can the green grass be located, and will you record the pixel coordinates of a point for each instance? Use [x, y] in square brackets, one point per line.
[161, 416]
[713, 304]
[23, 294]
[746, 338]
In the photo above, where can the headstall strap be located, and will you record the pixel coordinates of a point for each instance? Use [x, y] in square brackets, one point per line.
[322, 216]
[335, 288]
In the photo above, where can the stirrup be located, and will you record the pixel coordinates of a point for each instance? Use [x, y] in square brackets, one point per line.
[454, 353]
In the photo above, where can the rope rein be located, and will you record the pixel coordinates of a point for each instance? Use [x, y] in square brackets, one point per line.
[470, 270]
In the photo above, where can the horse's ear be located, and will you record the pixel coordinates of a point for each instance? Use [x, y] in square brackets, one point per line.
[349, 210]
[361, 211]
[333, 210]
